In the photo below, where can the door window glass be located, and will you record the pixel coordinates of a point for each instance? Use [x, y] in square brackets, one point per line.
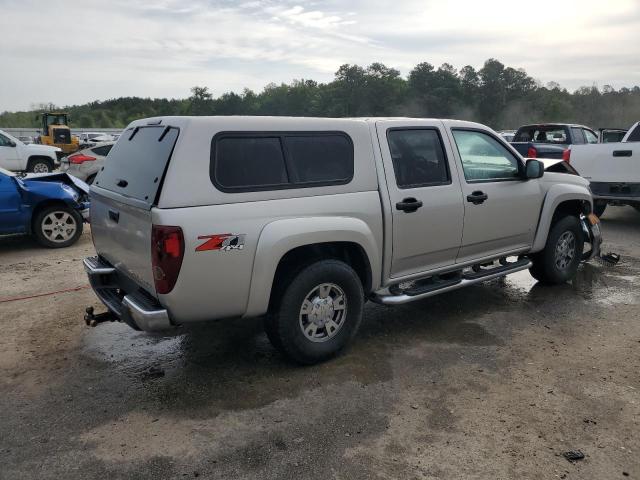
[634, 136]
[578, 137]
[484, 158]
[590, 136]
[418, 158]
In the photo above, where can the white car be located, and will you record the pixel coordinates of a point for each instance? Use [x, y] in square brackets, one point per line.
[613, 170]
[17, 156]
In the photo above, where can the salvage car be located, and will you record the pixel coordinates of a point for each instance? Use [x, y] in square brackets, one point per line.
[613, 170]
[300, 220]
[51, 207]
[86, 163]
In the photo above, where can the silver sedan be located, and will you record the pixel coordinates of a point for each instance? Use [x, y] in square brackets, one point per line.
[86, 163]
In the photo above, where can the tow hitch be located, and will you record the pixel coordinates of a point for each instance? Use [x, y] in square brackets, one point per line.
[93, 320]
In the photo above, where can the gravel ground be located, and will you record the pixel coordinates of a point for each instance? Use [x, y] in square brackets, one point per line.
[494, 381]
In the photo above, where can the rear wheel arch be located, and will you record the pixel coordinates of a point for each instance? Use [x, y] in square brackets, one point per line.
[316, 237]
[296, 259]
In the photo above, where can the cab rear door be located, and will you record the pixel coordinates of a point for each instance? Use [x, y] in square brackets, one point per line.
[424, 189]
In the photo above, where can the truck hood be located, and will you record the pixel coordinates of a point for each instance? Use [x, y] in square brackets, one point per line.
[554, 177]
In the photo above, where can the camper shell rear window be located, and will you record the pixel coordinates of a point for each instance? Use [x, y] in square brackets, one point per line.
[137, 163]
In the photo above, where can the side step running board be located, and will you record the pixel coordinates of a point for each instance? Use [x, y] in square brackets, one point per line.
[467, 278]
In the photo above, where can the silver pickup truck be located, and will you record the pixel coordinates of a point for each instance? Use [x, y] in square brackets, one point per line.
[301, 220]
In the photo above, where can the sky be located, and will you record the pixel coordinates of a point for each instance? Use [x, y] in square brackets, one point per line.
[73, 51]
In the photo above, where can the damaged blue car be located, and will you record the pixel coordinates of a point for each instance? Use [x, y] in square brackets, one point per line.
[51, 207]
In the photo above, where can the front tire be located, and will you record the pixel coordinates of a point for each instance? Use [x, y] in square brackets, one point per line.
[40, 165]
[559, 260]
[319, 312]
[57, 226]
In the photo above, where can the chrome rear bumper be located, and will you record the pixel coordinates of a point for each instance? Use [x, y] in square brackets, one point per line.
[137, 309]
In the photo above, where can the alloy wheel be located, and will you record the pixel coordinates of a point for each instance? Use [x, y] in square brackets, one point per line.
[323, 312]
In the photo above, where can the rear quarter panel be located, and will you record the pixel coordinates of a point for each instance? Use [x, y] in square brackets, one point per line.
[218, 283]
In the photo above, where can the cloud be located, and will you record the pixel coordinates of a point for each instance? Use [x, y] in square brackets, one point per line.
[163, 47]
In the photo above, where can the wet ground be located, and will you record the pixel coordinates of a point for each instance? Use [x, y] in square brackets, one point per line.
[495, 381]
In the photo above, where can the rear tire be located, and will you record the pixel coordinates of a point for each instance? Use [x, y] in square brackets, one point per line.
[599, 207]
[318, 314]
[40, 165]
[559, 260]
[57, 226]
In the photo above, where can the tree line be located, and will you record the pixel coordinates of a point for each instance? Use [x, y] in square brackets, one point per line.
[497, 95]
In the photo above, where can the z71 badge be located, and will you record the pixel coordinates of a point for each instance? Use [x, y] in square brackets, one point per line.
[221, 241]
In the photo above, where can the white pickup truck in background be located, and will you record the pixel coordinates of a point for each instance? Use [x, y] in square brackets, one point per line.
[17, 156]
[613, 170]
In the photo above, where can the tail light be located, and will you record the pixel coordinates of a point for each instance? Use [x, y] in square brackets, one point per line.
[80, 158]
[167, 251]
[566, 155]
[532, 152]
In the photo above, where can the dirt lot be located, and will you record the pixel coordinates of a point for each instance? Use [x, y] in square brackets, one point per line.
[494, 381]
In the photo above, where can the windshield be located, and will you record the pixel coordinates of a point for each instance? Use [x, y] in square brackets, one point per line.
[57, 119]
[10, 137]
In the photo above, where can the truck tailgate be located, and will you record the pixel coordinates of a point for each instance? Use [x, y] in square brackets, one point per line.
[122, 236]
[607, 162]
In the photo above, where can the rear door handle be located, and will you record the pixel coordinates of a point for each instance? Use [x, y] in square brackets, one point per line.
[622, 153]
[477, 197]
[115, 216]
[409, 205]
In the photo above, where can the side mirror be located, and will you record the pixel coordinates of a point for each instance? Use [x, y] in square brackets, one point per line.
[534, 169]
[12, 143]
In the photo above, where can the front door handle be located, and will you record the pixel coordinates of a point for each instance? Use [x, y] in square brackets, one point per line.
[622, 153]
[477, 197]
[409, 205]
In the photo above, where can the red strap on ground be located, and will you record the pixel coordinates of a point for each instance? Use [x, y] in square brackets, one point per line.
[66, 290]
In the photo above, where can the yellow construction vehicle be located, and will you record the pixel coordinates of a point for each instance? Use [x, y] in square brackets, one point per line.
[56, 132]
